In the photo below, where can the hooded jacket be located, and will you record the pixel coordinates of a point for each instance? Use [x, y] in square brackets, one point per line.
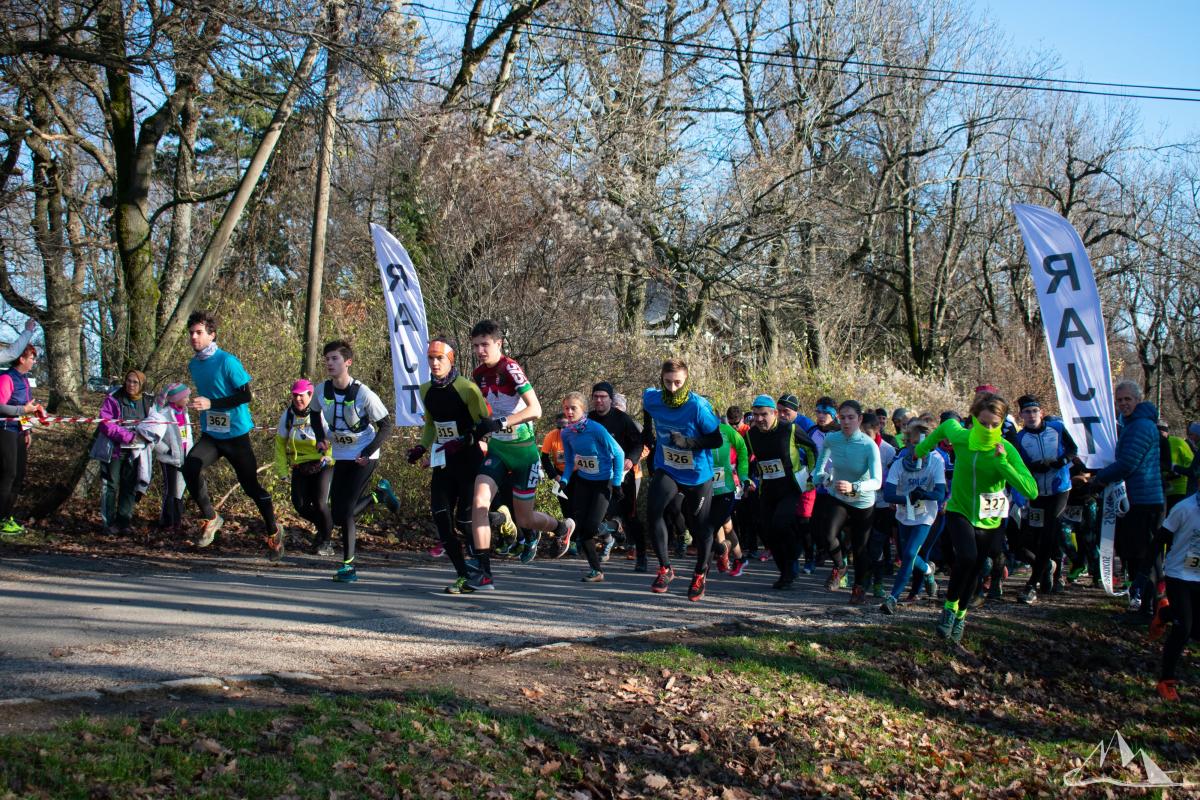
[1137, 458]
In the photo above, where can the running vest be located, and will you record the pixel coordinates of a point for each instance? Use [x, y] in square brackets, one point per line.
[20, 396]
[778, 458]
[349, 413]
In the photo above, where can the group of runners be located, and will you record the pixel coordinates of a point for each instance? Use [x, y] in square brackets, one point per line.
[978, 494]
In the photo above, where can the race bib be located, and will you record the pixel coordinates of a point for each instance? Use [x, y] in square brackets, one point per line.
[216, 421]
[345, 437]
[445, 431]
[1074, 514]
[801, 478]
[1037, 517]
[683, 459]
[437, 458]
[993, 505]
[588, 465]
[771, 470]
[911, 512]
[1192, 560]
[719, 477]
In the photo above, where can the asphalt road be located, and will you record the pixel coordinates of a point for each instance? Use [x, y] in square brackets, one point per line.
[69, 624]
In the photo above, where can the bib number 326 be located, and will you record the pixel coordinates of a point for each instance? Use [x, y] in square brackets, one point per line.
[679, 458]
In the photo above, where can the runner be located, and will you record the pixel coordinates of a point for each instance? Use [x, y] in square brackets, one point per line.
[916, 486]
[986, 463]
[1175, 460]
[900, 419]
[593, 475]
[302, 448]
[553, 461]
[731, 468]
[1181, 533]
[628, 434]
[453, 407]
[1047, 450]
[512, 455]
[783, 456]
[683, 429]
[359, 424]
[849, 466]
[1136, 463]
[119, 472]
[223, 400]
[16, 400]
[883, 522]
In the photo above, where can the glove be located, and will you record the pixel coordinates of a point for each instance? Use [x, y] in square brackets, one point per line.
[414, 453]
[488, 426]
[682, 442]
[1039, 467]
[452, 447]
[618, 494]
[917, 495]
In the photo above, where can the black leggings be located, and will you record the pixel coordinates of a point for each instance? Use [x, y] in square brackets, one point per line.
[745, 522]
[349, 496]
[451, 496]
[310, 498]
[1044, 543]
[13, 458]
[830, 516]
[779, 530]
[1134, 544]
[589, 502]
[971, 547]
[696, 500]
[240, 455]
[1185, 622]
[626, 509]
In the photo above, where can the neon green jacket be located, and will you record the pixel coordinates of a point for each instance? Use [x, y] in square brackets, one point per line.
[722, 469]
[977, 474]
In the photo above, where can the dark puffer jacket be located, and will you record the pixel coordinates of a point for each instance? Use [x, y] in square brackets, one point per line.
[1137, 458]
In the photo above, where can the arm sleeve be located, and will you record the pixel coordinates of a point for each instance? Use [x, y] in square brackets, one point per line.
[874, 479]
[383, 430]
[240, 396]
[940, 490]
[743, 456]
[317, 420]
[1017, 474]
[939, 434]
[469, 391]
[890, 493]
[548, 465]
[14, 350]
[427, 430]
[708, 441]
[1070, 449]
[648, 436]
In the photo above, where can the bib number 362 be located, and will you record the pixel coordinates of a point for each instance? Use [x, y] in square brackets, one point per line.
[216, 421]
[993, 505]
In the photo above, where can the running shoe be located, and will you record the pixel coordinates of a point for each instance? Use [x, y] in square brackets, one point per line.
[765, 555]
[563, 544]
[438, 550]
[1135, 600]
[723, 562]
[956, 632]
[1166, 690]
[209, 532]
[384, 488]
[1029, 596]
[481, 583]
[460, 586]
[888, 606]
[507, 527]
[662, 580]
[810, 566]
[680, 549]
[858, 596]
[930, 585]
[1057, 587]
[696, 590]
[346, 574]
[783, 584]
[507, 548]
[11, 527]
[834, 579]
[996, 592]
[531, 548]
[641, 565]
[877, 590]
[275, 546]
[323, 547]
[593, 576]
[945, 623]
[844, 583]
[1158, 625]
[687, 538]
[573, 550]
[610, 542]
[739, 566]
[1074, 574]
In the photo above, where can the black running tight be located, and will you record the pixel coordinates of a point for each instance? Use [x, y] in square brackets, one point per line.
[696, 500]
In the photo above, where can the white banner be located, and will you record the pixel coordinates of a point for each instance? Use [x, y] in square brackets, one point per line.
[1074, 322]
[407, 325]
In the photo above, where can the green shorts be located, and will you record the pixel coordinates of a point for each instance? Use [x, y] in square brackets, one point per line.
[518, 465]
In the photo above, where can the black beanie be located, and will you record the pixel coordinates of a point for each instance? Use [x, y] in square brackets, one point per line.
[604, 386]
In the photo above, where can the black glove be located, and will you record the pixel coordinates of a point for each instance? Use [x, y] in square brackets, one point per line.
[453, 447]
[917, 495]
[682, 442]
[618, 494]
[414, 453]
[488, 426]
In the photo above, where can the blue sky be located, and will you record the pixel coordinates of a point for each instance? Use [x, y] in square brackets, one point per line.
[1152, 42]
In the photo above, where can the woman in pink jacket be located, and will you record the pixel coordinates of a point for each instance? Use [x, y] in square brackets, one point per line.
[118, 472]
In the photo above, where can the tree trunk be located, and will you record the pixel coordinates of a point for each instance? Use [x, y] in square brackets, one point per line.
[316, 253]
[180, 248]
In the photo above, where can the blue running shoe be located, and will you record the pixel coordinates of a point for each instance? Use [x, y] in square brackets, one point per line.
[346, 574]
[531, 548]
[384, 487]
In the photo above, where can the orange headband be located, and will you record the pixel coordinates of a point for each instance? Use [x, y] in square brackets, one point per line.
[441, 349]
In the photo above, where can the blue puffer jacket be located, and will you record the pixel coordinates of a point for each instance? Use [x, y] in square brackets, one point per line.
[1137, 458]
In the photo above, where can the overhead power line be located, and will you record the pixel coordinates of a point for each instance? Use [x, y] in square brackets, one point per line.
[728, 54]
